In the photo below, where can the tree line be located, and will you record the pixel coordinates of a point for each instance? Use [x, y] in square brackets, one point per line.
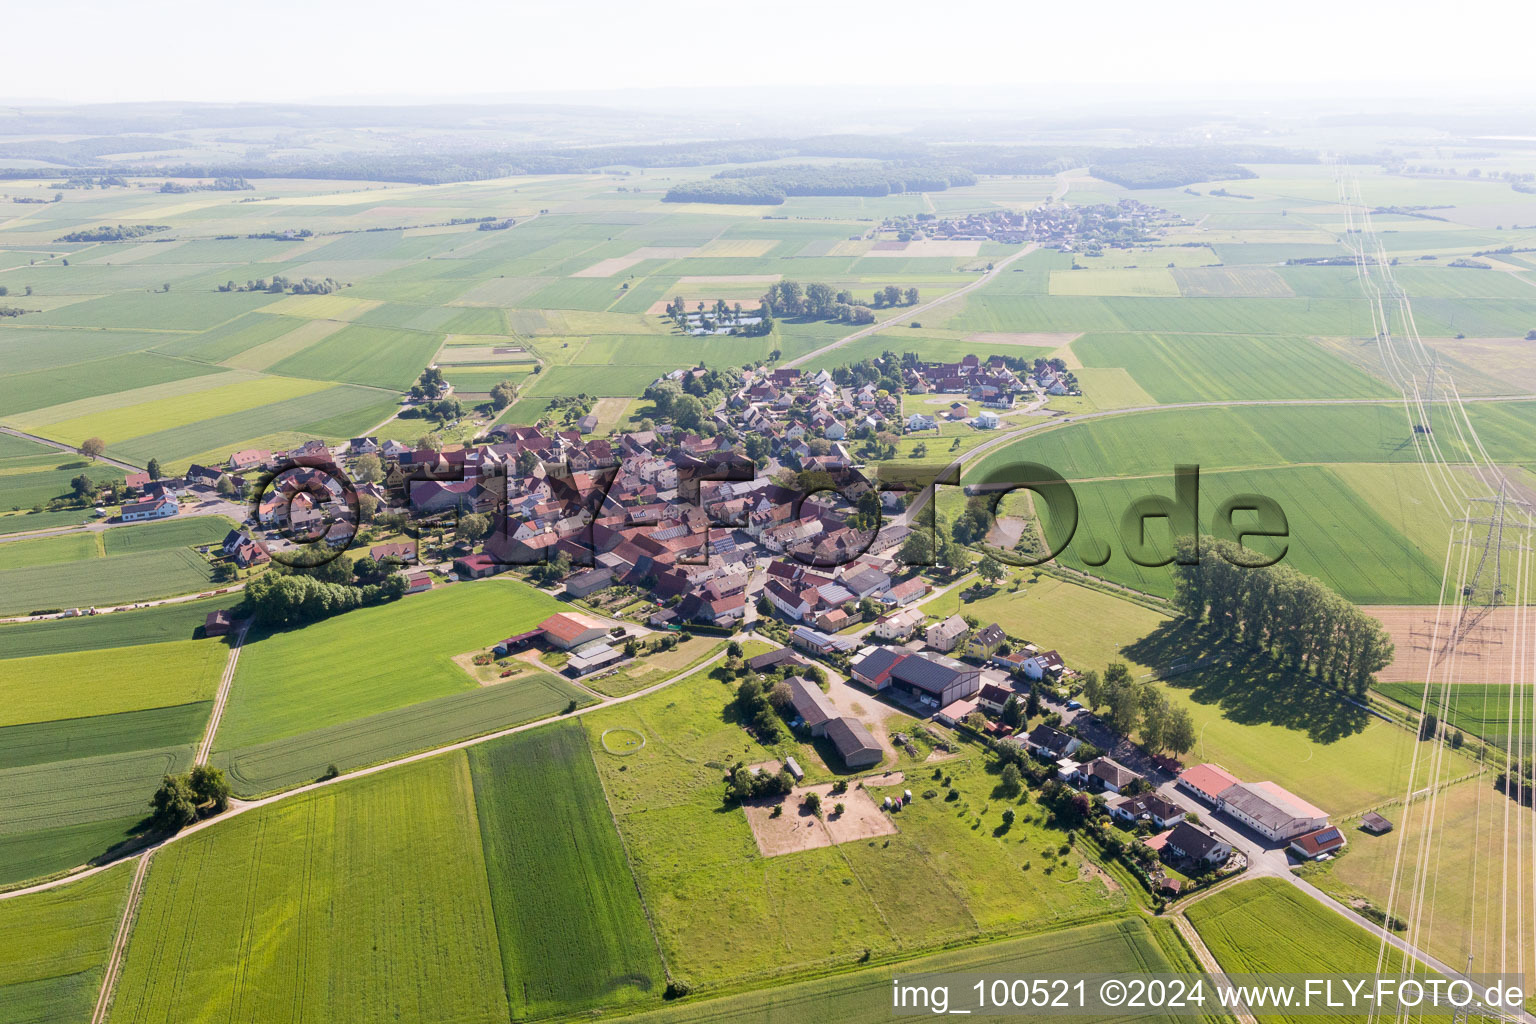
[1284, 613]
[823, 302]
[108, 233]
[1133, 705]
[280, 284]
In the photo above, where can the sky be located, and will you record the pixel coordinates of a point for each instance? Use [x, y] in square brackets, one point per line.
[327, 50]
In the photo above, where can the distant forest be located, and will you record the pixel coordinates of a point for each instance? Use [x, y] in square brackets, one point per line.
[905, 163]
[773, 184]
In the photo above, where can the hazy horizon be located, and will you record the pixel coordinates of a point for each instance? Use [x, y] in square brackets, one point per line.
[993, 53]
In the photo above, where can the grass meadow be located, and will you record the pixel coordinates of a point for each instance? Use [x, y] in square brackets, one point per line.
[1467, 873]
[371, 660]
[863, 996]
[932, 882]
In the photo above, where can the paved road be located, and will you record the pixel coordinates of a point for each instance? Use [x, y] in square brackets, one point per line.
[865, 332]
[126, 466]
[216, 507]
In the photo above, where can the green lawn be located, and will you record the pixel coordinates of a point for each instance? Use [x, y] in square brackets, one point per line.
[552, 855]
[282, 910]
[54, 947]
[372, 659]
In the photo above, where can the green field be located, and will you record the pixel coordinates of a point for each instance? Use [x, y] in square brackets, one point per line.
[54, 947]
[293, 760]
[371, 660]
[1334, 534]
[1477, 709]
[59, 814]
[376, 356]
[102, 581]
[66, 739]
[160, 624]
[55, 686]
[282, 910]
[552, 854]
[1203, 368]
[1132, 946]
[1299, 936]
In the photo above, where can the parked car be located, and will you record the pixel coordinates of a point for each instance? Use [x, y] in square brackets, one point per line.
[1073, 705]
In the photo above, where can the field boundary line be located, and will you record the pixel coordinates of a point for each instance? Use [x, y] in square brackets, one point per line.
[875, 328]
[238, 807]
[205, 746]
[120, 941]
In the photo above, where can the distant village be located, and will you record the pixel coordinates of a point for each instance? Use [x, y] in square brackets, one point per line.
[1056, 225]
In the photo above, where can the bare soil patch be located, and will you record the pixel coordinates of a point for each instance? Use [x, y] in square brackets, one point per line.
[618, 264]
[796, 829]
[1484, 643]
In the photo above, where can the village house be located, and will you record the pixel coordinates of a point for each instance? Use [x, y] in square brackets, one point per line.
[993, 698]
[1050, 744]
[946, 636]
[984, 642]
[898, 625]
[1192, 843]
[1046, 664]
[1160, 811]
[162, 507]
[1106, 774]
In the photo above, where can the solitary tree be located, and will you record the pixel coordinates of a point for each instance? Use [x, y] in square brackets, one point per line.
[210, 786]
[990, 569]
[92, 447]
[174, 804]
[153, 469]
[368, 468]
[1011, 781]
